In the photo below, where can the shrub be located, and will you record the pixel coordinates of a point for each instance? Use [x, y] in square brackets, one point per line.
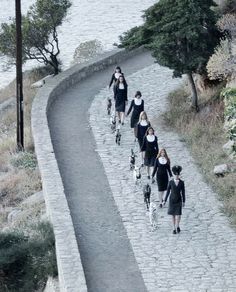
[229, 96]
[25, 160]
[27, 261]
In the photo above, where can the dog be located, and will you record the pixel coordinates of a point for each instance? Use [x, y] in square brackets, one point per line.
[137, 174]
[118, 136]
[153, 215]
[146, 195]
[109, 105]
[132, 160]
[113, 122]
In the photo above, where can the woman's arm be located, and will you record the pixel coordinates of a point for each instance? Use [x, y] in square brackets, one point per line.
[126, 93]
[130, 108]
[112, 79]
[142, 108]
[167, 192]
[143, 148]
[155, 167]
[183, 192]
[157, 148]
[168, 169]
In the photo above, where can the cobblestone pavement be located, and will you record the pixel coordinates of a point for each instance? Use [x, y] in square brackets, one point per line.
[202, 257]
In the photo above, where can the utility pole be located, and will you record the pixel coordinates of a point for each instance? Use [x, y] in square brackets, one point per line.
[19, 83]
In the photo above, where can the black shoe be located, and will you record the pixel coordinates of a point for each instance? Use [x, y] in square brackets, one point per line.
[153, 180]
[174, 231]
[148, 176]
[160, 205]
[178, 230]
[119, 121]
[122, 124]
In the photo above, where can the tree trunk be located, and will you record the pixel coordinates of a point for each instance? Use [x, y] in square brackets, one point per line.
[55, 64]
[194, 92]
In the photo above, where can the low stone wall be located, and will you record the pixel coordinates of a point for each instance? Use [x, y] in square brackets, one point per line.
[70, 270]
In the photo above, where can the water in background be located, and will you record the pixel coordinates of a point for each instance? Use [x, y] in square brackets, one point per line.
[104, 20]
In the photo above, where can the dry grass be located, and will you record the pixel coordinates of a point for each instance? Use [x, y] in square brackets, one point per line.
[17, 183]
[203, 132]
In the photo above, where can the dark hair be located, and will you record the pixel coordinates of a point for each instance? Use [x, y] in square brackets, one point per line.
[118, 68]
[118, 80]
[148, 129]
[138, 93]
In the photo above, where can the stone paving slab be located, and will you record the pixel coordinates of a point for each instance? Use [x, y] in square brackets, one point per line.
[202, 257]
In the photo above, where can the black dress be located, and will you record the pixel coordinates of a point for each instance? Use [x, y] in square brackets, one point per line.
[161, 171]
[141, 132]
[177, 196]
[151, 150]
[120, 98]
[137, 109]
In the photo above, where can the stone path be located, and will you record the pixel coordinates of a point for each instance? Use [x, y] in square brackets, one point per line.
[203, 256]
[107, 256]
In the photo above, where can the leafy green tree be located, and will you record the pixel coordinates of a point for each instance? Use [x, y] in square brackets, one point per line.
[181, 35]
[39, 33]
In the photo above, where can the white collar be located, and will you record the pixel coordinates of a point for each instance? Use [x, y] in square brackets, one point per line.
[138, 101]
[151, 138]
[162, 160]
[117, 75]
[143, 123]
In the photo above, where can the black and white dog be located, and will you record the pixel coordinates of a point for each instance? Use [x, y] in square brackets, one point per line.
[109, 105]
[137, 174]
[146, 195]
[132, 160]
[118, 135]
[113, 122]
[153, 215]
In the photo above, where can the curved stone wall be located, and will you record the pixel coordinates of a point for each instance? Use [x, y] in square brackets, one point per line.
[70, 270]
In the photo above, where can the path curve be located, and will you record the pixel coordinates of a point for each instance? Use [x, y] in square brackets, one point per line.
[106, 254]
[202, 257]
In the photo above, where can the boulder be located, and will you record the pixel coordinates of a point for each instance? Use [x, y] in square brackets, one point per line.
[228, 147]
[38, 84]
[221, 169]
[36, 198]
[52, 285]
[14, 215]
[41, 82]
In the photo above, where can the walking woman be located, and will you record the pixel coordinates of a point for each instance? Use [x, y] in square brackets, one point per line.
[176, 190]
[150, 146]
[141, 130]
[137, 105]
[121, 98]
[115, 76]
[162, 169]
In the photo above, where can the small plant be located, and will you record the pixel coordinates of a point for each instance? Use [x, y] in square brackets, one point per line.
[25, 160]
[26, 261]
[229, 96]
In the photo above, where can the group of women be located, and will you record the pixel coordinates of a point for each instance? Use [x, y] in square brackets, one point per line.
[156, 161]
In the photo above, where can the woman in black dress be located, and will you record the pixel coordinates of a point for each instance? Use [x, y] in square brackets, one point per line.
[162, 169]
[137, 105]
[121, 98]
[176, 190]
[150, 146]
[142, 126]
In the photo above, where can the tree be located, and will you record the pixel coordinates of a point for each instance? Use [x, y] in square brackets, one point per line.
[181, 35]
[39, 33]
